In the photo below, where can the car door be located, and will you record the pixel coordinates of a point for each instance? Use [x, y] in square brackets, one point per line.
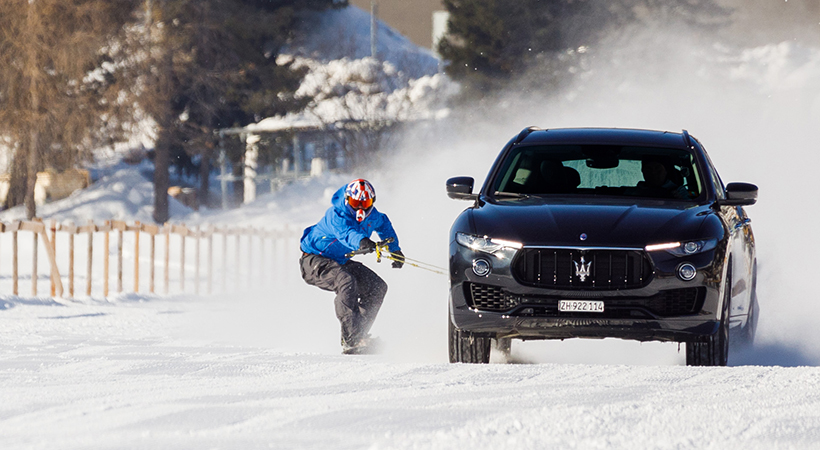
[743, 257]
[741, 265]
[741, 251]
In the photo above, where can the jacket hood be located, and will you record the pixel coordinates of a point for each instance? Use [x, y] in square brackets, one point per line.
[338, 201]
[625, 225]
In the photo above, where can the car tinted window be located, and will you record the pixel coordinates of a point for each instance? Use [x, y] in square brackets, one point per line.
[600, 170]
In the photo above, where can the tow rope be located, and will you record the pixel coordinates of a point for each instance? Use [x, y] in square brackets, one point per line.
[382, 252]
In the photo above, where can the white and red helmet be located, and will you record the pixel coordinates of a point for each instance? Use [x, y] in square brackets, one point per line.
[359, 198]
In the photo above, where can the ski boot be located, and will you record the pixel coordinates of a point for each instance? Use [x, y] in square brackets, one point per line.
[366, 345]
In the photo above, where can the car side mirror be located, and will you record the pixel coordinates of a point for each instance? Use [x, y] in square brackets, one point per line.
[461, 188]
[739, 194]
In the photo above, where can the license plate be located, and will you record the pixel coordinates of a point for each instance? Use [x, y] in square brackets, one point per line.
[581, 306]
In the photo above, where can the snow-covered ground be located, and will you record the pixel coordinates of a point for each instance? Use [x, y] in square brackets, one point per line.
[262, 369]
[153, 374]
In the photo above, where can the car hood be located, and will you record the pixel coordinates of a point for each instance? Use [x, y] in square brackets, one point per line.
[539, 222]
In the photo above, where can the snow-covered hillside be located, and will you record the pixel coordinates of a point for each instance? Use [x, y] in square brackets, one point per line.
[263, 369]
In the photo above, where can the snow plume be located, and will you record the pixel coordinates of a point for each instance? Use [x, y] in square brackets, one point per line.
[756, 111]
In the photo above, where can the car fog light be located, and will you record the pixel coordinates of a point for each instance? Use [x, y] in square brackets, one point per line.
[481, 267]
[687, 272]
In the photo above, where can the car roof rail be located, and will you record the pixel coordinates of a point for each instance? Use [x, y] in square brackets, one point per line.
[524, 133]
[687, 139]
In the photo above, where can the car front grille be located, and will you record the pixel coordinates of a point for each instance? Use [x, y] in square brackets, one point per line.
[668, 303]
[491, 298]
[594, 269]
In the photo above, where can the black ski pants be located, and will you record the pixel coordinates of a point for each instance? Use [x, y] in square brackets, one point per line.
[359, 292]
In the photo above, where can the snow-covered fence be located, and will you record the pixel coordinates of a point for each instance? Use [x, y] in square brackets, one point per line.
[224, 259]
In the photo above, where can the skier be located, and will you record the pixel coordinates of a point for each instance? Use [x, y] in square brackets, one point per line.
[326, 264]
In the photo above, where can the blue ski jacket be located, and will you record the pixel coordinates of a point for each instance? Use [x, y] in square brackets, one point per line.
[338, 233]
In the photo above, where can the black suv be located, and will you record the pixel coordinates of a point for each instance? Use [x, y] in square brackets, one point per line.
[602, 233]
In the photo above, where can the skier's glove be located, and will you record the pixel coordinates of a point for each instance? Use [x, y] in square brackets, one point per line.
[366, 245]
[398, 263]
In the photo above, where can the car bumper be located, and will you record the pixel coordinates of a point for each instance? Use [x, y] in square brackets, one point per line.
[499, 325]
[534, 313]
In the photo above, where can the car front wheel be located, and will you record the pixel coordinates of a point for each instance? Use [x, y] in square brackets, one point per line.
[466, 347]
[714, 351]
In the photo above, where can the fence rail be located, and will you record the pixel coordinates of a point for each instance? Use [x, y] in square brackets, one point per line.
[222, 267]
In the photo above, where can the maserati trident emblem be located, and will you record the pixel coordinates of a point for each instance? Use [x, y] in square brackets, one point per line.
[583, 236]
[582, 269]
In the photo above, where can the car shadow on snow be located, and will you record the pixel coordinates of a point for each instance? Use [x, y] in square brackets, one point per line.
[772, 355]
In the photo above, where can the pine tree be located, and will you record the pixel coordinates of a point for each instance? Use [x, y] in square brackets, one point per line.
[213, 64]
[491, 42]
[54, 98]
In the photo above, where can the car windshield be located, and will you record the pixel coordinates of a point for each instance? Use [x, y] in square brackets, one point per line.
[648, 172]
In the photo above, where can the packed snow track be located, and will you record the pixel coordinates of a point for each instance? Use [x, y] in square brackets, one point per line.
[135, 374]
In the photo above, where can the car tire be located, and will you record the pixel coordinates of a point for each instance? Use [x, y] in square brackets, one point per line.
[714, 351]
[466, 347]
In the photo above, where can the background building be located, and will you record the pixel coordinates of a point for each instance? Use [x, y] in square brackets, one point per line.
[413, 19]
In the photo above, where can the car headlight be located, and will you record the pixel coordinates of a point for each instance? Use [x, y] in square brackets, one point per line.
[684, 248]
[485, 243]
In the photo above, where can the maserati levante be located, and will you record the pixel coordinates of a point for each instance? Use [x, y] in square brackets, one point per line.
[596, 233]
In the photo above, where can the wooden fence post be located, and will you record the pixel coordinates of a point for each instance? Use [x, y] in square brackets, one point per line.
[37, 228]
[152, 231]
[34, 267]
[153, 265]
[52, 262]
[120, 228]
[167, 230]
[136, 257]
[106, 262]
[14, 259]
[90, 230]
[71, 229]
[53, 250]
[40, 230]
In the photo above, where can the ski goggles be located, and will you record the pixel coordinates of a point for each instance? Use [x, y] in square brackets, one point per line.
[360, 204]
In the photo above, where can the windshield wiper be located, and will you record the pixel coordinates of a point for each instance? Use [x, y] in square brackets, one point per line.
[510, 194]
